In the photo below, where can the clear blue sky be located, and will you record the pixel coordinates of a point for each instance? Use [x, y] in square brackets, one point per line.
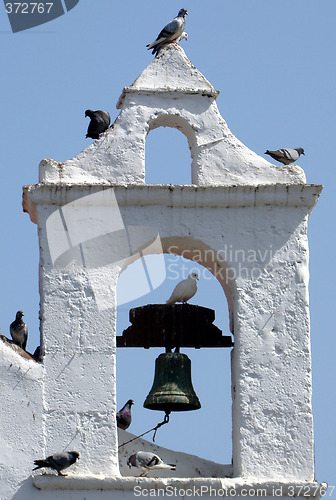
[274, 63]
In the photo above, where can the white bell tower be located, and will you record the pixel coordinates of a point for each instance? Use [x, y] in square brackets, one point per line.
[95, 214]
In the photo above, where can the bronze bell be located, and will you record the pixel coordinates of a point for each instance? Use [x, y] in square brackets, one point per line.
[172, 387]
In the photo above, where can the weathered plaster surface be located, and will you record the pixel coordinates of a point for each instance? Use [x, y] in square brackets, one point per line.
[21, 418]
[194, 488]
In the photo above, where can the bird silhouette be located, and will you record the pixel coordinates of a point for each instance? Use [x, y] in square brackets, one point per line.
[286, 156]
[184, 290]
[170, 33]
[100, 121]
[19, 330]
[147, 461]
[58, 461]
[124, 417]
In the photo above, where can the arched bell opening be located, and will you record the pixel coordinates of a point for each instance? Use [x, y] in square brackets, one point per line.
[207, 432]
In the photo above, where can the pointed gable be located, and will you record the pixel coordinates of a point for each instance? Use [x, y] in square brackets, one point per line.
[170, 71]
[170, 92]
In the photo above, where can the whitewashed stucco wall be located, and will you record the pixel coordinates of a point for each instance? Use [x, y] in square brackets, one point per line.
[21, 414]
[272, 422]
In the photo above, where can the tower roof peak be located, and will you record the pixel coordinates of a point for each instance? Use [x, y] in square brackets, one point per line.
[170, 72]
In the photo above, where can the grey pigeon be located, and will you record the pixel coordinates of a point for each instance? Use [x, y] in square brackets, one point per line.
[147, 461]
[170, 33]
[124, 417]
[19, 331]
[58, 462]
[286, 156]
[184, 290]
[100, 121]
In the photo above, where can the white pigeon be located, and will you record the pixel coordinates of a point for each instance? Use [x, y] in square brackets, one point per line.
[184, 36]
[286, 156]
[170, 33]
[147, 461]
[184, 290]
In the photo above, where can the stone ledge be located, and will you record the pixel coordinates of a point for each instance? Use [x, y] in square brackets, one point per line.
[21, 352]
[234, 487]
[172, 195]
[165, 91]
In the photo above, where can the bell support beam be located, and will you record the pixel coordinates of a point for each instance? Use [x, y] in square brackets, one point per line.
[169, 326]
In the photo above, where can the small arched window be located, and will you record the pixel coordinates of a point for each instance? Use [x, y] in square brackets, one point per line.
[168, 158]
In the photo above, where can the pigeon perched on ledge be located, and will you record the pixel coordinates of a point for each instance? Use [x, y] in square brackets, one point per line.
[100, 121]
[124, 417]
[147, 461]
[286, 156]
[170, 33]
[58, 461]
[184, 290]
[19, 330]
